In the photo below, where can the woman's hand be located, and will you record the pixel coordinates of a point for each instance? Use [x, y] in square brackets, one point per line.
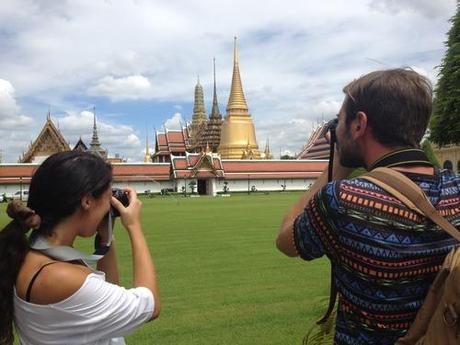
[131, 215]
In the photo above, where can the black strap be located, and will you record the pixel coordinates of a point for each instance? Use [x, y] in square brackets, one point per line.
[407, 156]
[29, 288]
[333, 288]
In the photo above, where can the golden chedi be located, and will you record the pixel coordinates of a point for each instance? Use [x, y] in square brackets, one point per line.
[238, 136]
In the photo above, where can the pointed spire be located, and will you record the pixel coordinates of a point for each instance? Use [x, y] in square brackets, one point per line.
[267, 152]
[95, 144]
[199, 112]
[147, 157]
[236, 101]
[48, 115]
[215, 113]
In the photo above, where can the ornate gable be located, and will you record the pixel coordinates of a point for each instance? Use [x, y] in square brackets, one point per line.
[49, 141]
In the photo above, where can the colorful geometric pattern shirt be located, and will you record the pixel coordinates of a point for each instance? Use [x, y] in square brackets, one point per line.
[384, 255]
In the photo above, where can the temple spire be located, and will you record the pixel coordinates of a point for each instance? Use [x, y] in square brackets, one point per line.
[236, 101]
[95, 139]
[199, 112]
[215, 113]
[267, 152]
[48, 115]
[147, 157]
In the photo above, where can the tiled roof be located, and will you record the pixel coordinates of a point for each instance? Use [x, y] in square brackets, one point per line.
[242, 169]
[199, 165]
[317, 146]
[12, 173]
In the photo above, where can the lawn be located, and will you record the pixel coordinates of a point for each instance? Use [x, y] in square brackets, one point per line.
[222, 281]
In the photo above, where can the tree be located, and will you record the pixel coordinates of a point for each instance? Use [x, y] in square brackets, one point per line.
[428, 149]
[287, 157]
[192, 186]
[445, 122]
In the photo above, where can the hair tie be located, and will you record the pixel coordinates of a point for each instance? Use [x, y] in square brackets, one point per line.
[25, 216]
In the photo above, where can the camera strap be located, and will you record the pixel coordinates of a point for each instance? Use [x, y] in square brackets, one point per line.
[407, 157]
[65, 253]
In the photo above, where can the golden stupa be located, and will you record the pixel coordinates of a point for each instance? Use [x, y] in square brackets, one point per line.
[238, 136]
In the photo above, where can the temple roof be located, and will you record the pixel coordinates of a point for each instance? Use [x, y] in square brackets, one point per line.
[80, 146]
[317, 146]
[194, 165]
[171, 141]
[272, 169]
[197, 165]
[49, 141]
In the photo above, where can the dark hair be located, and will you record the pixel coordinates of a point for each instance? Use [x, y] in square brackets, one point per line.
[55, 193]
[397, 103]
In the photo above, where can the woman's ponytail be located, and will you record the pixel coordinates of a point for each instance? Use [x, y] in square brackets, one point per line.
[13, 249]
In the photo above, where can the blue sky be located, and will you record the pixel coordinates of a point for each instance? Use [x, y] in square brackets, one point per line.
[137, 62]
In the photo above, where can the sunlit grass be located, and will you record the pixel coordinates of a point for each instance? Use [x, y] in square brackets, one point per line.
[221, 278]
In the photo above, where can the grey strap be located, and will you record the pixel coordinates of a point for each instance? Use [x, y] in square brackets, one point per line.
[61, 253]
[411, 195]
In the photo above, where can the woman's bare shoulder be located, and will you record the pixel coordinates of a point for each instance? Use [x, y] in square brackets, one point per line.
[56, 281]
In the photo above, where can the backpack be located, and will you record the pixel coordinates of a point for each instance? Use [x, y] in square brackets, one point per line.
[438, 320]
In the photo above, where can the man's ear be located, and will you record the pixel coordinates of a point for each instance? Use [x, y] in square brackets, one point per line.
[359, 125]
[85, 202]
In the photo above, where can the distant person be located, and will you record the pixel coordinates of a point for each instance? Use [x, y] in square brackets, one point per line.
[384, 258]
[56, 298]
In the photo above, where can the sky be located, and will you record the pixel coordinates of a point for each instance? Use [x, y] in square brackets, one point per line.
[137, 63]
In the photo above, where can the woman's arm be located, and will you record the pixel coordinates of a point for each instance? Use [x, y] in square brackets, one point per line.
[143, 267]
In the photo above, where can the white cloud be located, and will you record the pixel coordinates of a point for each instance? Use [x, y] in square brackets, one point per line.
[15, 128]
[10, 117]
[428, 8]
[117, 89]
[175, 122]
[295, 56]
[116, 138]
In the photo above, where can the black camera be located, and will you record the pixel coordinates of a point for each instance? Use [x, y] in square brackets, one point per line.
[330, 126]
[122, 197]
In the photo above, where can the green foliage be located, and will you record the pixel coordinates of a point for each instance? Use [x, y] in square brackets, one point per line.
[322, 334]
[287, 157]
[222, 281]
[445, 122]
[428, 149]
[192, 185]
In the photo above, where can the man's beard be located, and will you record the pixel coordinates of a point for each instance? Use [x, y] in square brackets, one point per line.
[349, 155]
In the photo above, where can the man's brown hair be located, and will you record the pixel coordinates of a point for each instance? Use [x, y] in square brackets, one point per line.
[397, 103]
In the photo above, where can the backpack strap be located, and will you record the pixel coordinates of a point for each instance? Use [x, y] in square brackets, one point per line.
[332, 299]
[29, 288]
[411, 195]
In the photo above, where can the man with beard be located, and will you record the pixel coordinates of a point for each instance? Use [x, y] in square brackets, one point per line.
[384, 257]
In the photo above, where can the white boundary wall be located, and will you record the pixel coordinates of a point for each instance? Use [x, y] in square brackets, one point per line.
[213, 186]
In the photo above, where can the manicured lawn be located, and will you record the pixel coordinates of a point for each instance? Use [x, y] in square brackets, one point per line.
[221, 278]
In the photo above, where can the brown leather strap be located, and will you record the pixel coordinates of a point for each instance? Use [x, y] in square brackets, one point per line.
[29, 288]
[411, 195]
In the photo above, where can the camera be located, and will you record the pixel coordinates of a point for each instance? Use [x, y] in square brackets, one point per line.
[328, 131]
[122, 197]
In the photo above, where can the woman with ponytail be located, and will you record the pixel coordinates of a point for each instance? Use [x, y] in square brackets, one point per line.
[47, 289]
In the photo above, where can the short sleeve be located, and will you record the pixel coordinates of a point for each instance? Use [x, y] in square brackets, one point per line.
[314, 229]
[103, 310]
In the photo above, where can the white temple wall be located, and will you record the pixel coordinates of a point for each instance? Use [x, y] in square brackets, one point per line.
[143, 186]
[265, 184]
[10, 189]
[213, 186]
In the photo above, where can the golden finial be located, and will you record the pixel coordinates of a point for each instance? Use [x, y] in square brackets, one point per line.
[236, 102]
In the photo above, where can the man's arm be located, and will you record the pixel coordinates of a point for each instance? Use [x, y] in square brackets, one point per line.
[285, 241]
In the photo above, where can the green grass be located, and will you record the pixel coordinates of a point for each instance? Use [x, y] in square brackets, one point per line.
[222, 281]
